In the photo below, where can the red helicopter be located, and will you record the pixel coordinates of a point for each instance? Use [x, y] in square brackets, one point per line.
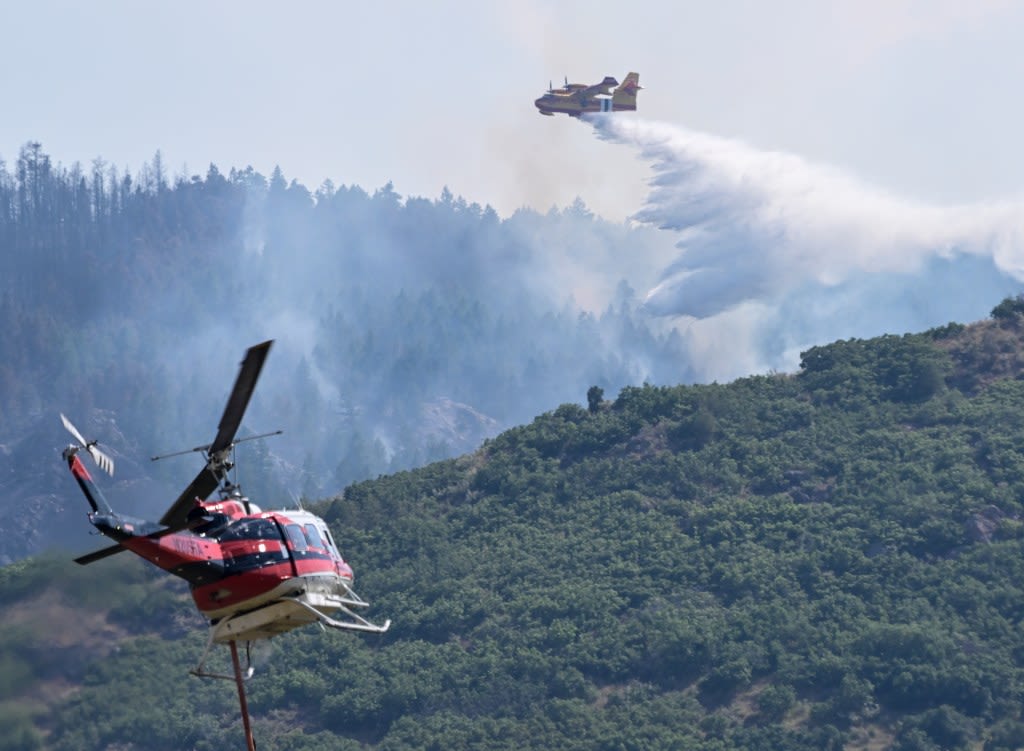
[253, 573]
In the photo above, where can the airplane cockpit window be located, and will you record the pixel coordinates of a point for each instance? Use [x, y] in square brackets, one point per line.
[296, 537]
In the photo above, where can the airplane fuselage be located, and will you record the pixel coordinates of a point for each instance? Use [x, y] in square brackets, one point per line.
[553, 104]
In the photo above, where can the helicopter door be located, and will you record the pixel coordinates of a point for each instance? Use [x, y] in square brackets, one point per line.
[297, 545]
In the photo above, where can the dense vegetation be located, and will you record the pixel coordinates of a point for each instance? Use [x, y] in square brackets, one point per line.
[821, 560]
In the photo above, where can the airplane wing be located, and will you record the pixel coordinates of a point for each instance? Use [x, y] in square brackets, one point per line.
[592, 91]
[605, 87]
[580, 97]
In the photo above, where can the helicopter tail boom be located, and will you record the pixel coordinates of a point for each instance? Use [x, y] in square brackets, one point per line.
[111, 524]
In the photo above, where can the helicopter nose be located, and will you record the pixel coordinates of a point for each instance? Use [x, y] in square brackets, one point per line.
[345, 571]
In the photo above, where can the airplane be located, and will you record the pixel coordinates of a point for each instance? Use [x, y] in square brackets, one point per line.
[574, 99]
[254, 574]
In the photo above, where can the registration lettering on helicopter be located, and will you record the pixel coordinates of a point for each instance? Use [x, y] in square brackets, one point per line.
[186, 546]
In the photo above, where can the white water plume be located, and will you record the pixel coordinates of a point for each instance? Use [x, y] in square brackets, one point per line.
[788, 253]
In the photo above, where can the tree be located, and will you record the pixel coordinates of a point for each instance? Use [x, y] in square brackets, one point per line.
[1010, 310]
[159, 172]
[595, 395]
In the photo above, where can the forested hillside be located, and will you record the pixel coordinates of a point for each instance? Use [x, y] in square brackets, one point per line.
[407, 329]
[826, 559]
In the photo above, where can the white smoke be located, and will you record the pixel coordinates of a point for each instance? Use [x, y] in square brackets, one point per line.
[778, 253]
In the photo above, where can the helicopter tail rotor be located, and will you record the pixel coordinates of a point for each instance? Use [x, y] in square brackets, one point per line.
[103, 461]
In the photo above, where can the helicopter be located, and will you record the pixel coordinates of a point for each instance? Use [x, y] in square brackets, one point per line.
[253, 574]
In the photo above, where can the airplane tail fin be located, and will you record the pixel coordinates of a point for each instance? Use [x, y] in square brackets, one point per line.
[624, 97]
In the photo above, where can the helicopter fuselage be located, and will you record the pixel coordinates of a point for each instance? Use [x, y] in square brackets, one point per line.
[234, 556]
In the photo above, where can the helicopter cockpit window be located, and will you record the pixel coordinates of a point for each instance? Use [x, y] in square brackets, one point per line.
[296, 537]
[213, 526]
[313, 537]
[251, 529]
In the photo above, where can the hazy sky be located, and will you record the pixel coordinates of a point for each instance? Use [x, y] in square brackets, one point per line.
[919, 98]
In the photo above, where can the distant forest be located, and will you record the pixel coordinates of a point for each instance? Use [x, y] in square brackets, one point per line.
[408, 329]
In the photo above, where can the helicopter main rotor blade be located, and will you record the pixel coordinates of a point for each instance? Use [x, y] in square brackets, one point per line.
[204, 483]
[210, 476]
[240, 394]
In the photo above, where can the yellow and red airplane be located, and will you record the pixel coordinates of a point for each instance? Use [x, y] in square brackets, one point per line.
[574, 99]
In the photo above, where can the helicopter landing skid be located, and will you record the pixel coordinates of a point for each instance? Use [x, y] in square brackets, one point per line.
[279, 616]
[358, 623]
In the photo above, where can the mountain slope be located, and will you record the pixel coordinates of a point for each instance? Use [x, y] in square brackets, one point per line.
[819, 560]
